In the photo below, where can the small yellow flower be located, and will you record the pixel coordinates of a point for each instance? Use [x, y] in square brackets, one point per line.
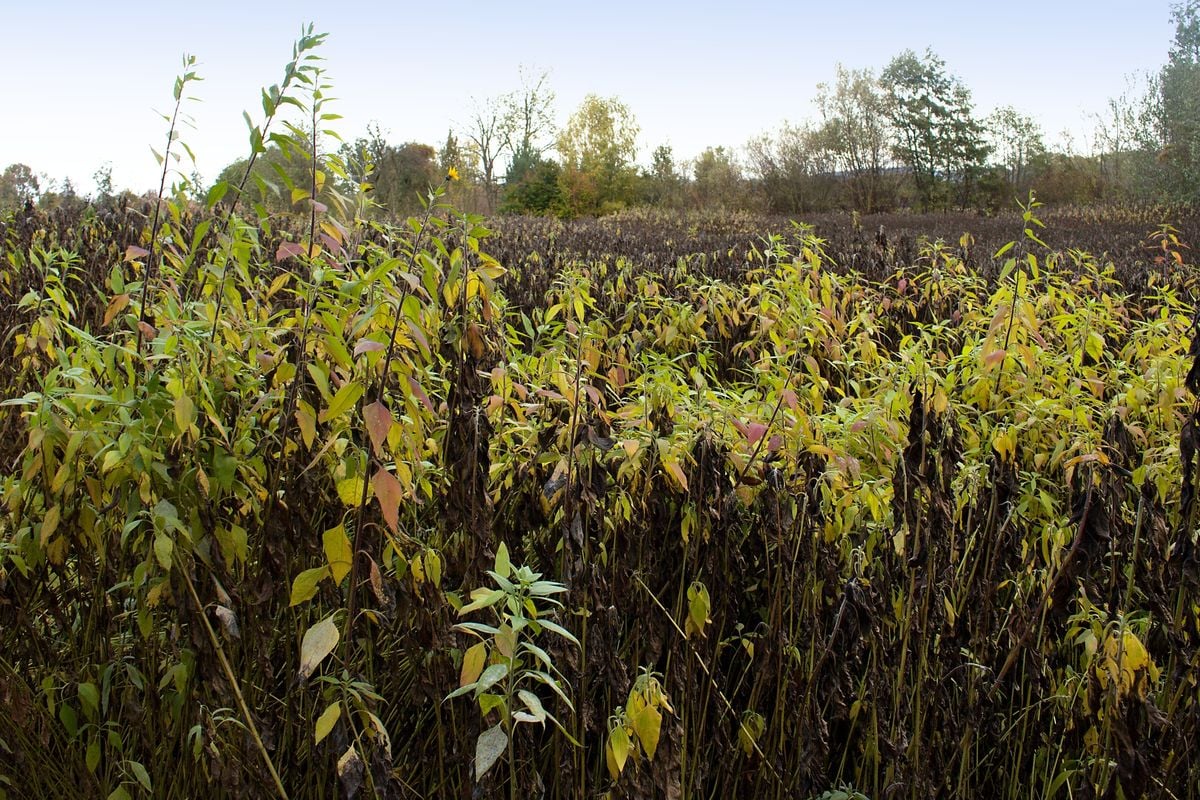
[452, 174]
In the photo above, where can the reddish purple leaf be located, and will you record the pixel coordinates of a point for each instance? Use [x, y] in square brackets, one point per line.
[420, 393]
[368, 346]
[379, 423]
[288, 250]
[389, 493]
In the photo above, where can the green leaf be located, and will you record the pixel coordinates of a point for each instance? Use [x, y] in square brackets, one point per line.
[503, 564]
[326, 721]
[185, 412]
[484, 600]
[216, 193]
[163, 549]
[488, 748]
[119, 793]
[318, 642]
[560, 630]
[533, 703]
[92, 758]
[304, 587]
[66, 715]
[140, 773]
[619, 740]
[343, 401]
[490, 677]
[224, 469]
[89, 698]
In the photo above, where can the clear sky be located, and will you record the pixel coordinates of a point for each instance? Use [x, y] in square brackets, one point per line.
[83, 80]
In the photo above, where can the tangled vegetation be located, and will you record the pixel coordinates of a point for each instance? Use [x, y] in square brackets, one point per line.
[324, 506]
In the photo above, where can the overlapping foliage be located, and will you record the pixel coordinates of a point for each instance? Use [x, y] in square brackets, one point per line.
[280, 496]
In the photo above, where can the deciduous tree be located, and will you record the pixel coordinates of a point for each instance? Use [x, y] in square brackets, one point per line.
[597, 148]
[935, 131]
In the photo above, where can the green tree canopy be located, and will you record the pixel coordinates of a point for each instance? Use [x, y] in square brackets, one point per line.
[18, 186]
[597, 148]
[856, 134]
[935, 131]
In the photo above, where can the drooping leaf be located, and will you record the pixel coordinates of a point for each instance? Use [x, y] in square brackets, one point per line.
[618, 739]
[326, 721]
[388, 492]
[351, 771]
[140, 773]
[185, 412]
[647, 724]
[379, 422]
[163, 549]
[49, 524]
[308, 426]
[115, 306]
[533, 703]
[318, 642]
[472, 665]
[488, 748]
[338, 552]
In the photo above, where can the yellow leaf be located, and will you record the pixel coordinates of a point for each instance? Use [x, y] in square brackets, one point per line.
[326, 721]
[304, 587]
[940, 402]
[185, 413]
[115, 307]
[350, 491]
[318, 642]
[611, 761]
[338, 552]
[49, 524]
[618, 742]
[472, 665]
[647, 724]
[308, 427]
[676, 472]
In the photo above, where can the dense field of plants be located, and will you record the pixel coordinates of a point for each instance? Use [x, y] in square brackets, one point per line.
[320, 507]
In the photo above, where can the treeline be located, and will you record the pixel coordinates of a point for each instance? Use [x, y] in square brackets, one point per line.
[904, 137]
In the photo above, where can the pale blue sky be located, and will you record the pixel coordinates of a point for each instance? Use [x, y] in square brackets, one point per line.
[83, 79]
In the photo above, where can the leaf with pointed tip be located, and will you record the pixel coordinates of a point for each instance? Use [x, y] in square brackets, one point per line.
[318, 642]
[338, 552]
[388, 492]
[288, 250]
[326, 721]
[472, 666]
[488, 748]
[379, 422]
[304, 587]
[368, 346]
